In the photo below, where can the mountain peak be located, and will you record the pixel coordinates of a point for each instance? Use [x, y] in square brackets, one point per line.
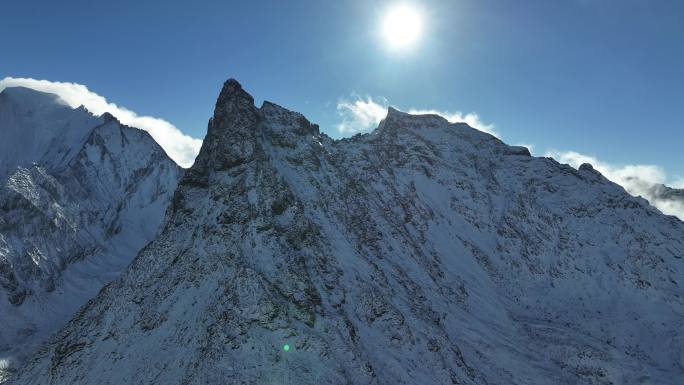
[230, 133]
[234, 107]
[233, 95]
[39, 127]
[394, 114]
[231, 84]
[397, 121]
[107, 117]
[25, 96]
[393, 111]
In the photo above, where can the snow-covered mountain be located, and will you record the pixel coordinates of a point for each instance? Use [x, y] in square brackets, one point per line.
[40, 128]
[422, 253]
[80, 195]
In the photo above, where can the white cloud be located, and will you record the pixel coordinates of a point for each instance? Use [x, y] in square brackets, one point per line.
[637, 179]
[360, 115]
[364, 114]
[180, 147]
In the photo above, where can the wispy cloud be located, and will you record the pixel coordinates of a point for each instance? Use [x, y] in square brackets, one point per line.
[529, 146]
[362, 114]
[637, 179]
[180, 147]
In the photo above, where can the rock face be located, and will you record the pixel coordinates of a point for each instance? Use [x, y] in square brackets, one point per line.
[80, 195]
[422, 253]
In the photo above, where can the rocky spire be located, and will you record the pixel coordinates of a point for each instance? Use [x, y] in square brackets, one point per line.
[230, 134]
[234, 107]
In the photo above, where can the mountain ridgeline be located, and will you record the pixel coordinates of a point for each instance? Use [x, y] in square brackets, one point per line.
[424, 252]
[80, 195]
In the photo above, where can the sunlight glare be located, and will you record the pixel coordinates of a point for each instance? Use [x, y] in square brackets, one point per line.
[402, 27]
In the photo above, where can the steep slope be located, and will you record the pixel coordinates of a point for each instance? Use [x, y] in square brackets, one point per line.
[423, 253]
[78, 204]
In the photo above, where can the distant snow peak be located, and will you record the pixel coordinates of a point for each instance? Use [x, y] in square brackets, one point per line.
[79, 196]
[107, 117]
[181, 148]
[27, 97]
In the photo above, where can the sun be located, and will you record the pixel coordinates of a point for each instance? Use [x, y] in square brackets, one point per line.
[402, 27]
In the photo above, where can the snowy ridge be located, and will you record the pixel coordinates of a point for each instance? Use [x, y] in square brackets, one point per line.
[82, 195]
[39, 128]
[423, 253]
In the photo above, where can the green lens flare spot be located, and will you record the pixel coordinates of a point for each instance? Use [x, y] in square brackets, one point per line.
[286, 347]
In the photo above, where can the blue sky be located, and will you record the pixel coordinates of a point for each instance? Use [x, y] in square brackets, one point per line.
[600, 77]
